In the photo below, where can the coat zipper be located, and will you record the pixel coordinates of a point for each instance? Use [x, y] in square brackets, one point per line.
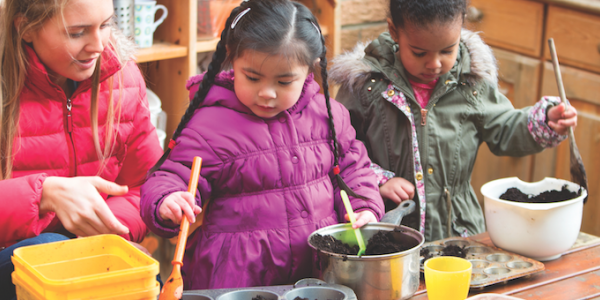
[73, 171]
[425, 111]
[423, 116]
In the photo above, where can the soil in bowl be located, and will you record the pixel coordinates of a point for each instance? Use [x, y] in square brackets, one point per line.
[450, 250]
[515, 194]
[383, 242]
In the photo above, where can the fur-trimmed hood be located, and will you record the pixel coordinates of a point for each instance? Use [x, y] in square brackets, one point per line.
[355, 67]
[124, 47]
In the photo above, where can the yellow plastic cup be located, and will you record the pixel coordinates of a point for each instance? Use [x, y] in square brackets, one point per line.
[447, 278]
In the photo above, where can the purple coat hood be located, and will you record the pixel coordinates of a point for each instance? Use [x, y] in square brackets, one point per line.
[269, 182]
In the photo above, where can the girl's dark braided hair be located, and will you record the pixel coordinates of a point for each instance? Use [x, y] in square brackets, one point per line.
[207, 81]
[422, 13]
[279, 27]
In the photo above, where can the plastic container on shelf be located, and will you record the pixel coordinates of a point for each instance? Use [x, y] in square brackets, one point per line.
[154, 104]
[157, 116]
[124, 16]
[100, 267]
[212, 15]
[162, 135]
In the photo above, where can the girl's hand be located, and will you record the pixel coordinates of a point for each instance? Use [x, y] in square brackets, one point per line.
[176, 205]
[80, 207]
[397, 189]
[362, 218]
[560, 119]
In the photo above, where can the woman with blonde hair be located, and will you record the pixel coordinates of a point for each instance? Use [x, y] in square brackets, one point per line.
[76, 139]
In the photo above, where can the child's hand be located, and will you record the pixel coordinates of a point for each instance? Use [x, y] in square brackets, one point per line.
[397, 189]
[362, 218]
[560, 119]
[176, 203]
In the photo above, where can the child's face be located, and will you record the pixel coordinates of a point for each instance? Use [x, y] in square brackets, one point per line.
[268, 84]
[71, 49]
[427, 53]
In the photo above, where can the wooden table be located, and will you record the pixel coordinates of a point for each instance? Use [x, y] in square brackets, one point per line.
[575, 275]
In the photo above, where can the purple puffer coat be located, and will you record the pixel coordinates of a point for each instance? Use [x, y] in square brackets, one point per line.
[270, 182]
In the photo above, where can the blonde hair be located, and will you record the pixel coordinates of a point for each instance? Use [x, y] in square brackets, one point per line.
[13, 71]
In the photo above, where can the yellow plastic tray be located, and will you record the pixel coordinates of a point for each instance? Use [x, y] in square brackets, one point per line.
[98, 267]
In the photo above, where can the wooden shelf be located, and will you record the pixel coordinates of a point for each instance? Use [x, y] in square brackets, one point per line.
[324, 30]
[160, 51]
[206, 45]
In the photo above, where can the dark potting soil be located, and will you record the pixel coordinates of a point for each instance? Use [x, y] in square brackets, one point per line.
[383, 242]
[259, 297]
[515, 194]
[450, 250]
[330, 244]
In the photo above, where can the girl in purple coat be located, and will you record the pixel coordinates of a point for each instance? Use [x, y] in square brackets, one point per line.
[275, 154]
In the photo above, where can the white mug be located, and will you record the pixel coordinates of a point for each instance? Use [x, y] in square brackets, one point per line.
[145, 10]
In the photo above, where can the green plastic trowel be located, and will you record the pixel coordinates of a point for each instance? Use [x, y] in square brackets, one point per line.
[359, 237]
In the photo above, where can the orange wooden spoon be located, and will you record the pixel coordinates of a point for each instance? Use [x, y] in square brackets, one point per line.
[173, 288]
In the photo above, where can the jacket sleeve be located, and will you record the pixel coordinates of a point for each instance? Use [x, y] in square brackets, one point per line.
[143, 150]
[504, 128]
[20, 214]
[538, 123]
[174, 175]
[355, 167]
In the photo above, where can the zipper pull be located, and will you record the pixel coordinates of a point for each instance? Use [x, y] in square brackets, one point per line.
[423, 116]
[69, 116]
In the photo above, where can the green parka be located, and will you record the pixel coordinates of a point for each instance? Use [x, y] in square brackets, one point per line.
[435, 147]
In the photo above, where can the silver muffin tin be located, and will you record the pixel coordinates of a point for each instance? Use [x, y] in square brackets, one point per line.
[491, 265]
[310, 288]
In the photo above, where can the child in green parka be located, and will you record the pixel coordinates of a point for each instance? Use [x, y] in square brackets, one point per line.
[423, 97]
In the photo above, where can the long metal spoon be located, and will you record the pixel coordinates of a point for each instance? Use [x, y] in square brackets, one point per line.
[578, 174]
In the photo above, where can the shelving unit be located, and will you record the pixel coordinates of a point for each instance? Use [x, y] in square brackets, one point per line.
[206, 45]
[161, 51]
[172, 59]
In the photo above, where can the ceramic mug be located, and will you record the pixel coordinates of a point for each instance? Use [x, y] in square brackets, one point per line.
[145, 10]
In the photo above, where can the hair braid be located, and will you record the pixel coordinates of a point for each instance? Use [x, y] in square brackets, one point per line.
[207, 81]
[336, 151]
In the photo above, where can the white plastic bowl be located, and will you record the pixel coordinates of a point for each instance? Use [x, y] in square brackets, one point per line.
[542, 231]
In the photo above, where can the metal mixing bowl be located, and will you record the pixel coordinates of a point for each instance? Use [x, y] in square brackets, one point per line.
[390, 276]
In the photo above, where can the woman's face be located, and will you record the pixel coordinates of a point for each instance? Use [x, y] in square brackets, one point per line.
[268, 84]
[71, 48]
